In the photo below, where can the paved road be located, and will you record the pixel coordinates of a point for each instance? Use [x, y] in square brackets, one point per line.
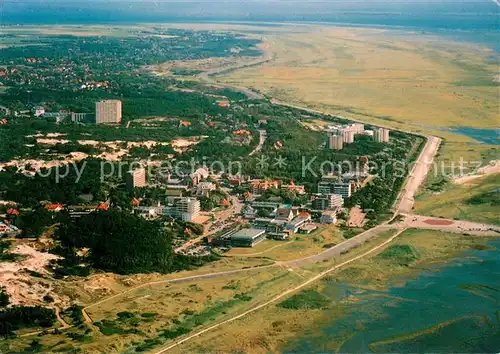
[276, 298]
[341, 248]
[262, 140]
[448, 225]
[235, 209]
[421, 168]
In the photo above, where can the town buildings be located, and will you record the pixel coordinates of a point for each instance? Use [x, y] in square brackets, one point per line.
[348, 135]
[247, 237]
[259, 186]
[294, 188]
[329, 217]
[80, 117]
[136, 179]
[326, 201]
[108, 112]
[204, 188]
[185, 209]
[336, 142]
[381, 135]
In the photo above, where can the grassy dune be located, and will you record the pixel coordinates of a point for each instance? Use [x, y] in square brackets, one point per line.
[454, 201]
[381, 76]
[412, 81]
[271, 328]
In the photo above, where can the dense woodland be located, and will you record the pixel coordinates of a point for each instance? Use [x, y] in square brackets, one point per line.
[17, 317]
[118, 242]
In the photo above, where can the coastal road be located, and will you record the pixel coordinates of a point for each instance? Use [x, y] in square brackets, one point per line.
[406, 200]
[276, 298]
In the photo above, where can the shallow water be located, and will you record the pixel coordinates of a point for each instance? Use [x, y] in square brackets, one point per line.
[454, 308]
[487, 136]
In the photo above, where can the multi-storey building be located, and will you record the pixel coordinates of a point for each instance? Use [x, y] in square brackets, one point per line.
[336, 142]
[348, 135]
[108, 112]
[381, 135]
[136, 178]
[327, 201]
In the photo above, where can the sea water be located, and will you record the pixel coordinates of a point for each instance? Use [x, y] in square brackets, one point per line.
[453, 308]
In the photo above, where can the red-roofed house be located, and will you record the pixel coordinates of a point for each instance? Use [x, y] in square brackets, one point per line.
[12, 211]
[102, 206]
[54, 207]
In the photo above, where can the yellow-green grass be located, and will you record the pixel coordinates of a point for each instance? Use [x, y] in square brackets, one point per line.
[428, 247]
[260, 249]
[472, 154]
[417, 81]
[269, 329]
[298, 246]
[453, 203]
[131, 320]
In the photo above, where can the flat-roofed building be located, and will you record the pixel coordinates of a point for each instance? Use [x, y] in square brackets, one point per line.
[348, 135]
[328, 217]
[358, 128]
[188, 208]
[381, 135]
[247, 237]
[108, 112]
[343, 188]
[336, 142]
[307, 229]
[298, 222]
[327, 201]
[136, 179]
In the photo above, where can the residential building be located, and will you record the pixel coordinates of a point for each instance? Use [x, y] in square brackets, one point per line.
[204, 188]
[54, 207]
[348, 135]
[294, 188]
[247, 237]
[358, 128]
[284, 214]
[108, 112]
[336, 142]
[186, 209]
[329, 217]
[326, 201]
[381, 135]
[136, 178]
[259, 186]
[343, 188]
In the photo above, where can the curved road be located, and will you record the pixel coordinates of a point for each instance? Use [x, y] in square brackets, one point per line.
[404, 205]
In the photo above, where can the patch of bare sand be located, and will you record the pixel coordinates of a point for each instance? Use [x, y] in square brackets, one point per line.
[492, 168]
[36, 165]
[22, 288]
